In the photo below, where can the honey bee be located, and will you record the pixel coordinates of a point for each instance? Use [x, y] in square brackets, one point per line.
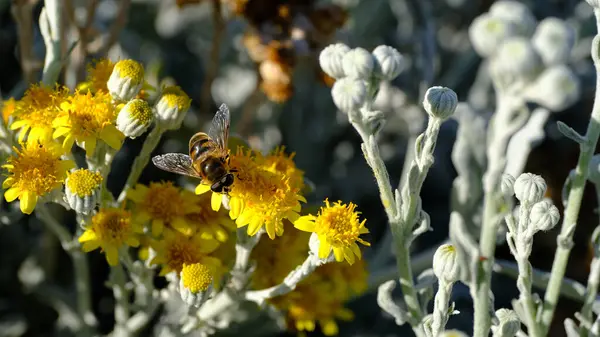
[208, 157]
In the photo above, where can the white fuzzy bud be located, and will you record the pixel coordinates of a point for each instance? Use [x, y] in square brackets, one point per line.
[171, 107]
[135, 118]
[530, 188]
[126, 80]
[553, 39]
[516, 63]
[82, 190]
[389, 63]
[508, 323]
[445, 264]
[440, 102]
[488, 32]
[331, 58]
[358, 63]
[594, 169]
[517, 13]
[556, 89]
[544, 216]
[507, 185]
[195, 284]
[349, 94]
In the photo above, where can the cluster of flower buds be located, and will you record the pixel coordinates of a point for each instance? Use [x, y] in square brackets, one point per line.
[527, 56]
[282, 33]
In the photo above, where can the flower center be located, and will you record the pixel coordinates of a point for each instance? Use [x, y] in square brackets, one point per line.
[89, 114]
[37, 170]
[130, 69]
[83, 182]
[112, 225]
[181, 252]
[164, 202]
[196, 277]
[140, 111]
[175, 97]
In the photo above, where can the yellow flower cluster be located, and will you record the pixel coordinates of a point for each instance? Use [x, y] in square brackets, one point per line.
[320, 298]
[47, 116]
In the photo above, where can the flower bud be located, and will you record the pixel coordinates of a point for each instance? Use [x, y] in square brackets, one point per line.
[195, 284]
[135, 118]
[594, 169]
[508, 323]
[82, 190]
[349, 94]
[172, 107]
[556, 89]
[507, 185]
[374, 119]
[389, 63]
[530, 188]
[358, 63]
[440, 102]
[331, 58]
[516, 13]
[488, 32]
[553, 39]
[516, 63]
[544, 216]
[445, 263]
[126, 80]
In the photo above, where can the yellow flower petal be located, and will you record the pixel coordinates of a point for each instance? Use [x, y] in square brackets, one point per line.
[202, 188]
[28, 201]
[112, 136]
[88, 235]
[112, 255]
[88, 246]
[305, 223]
[215, 201]
[11, 194]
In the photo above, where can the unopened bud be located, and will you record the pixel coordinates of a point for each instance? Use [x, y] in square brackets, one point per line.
[126, 80]
[440, 102]
[517, 13]
[488, 32]
[349, 94]
[445, 264]
[389, 63]
[135, 118]
[358, 63]
[171, 107]
[507, 185]
[530, 188]
[544, 216]
[508, 323]
[553, 39]
[557, 88]
[331, 58]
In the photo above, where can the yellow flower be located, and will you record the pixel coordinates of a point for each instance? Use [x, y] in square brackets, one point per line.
[126, 80]
[111, 229]
[205, 221]
[82, 190]
[34, 113]
[34, 171]
[85, 119]
[196, 277]
[175, 249]
[163, 204]
[338, 229]
[98, 73]
[8, 108]
[260, 195]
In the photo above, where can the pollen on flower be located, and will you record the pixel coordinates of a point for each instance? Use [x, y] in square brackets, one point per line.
[34, 171]
[110, 229]
[262, 197]
[206, 222]
[139, 110]
[162, 204]
[34, 113]
[338, 229]
[174, 96]
[85, 118]
[278, 161]
[196, 277]
[130, 69]
[83, 182]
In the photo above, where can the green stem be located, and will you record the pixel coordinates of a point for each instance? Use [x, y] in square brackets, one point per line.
[80, 266]
[141, 160]
[571, 215]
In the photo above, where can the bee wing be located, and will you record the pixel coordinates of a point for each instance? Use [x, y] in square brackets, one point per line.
[176, 163]
[219, 129]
